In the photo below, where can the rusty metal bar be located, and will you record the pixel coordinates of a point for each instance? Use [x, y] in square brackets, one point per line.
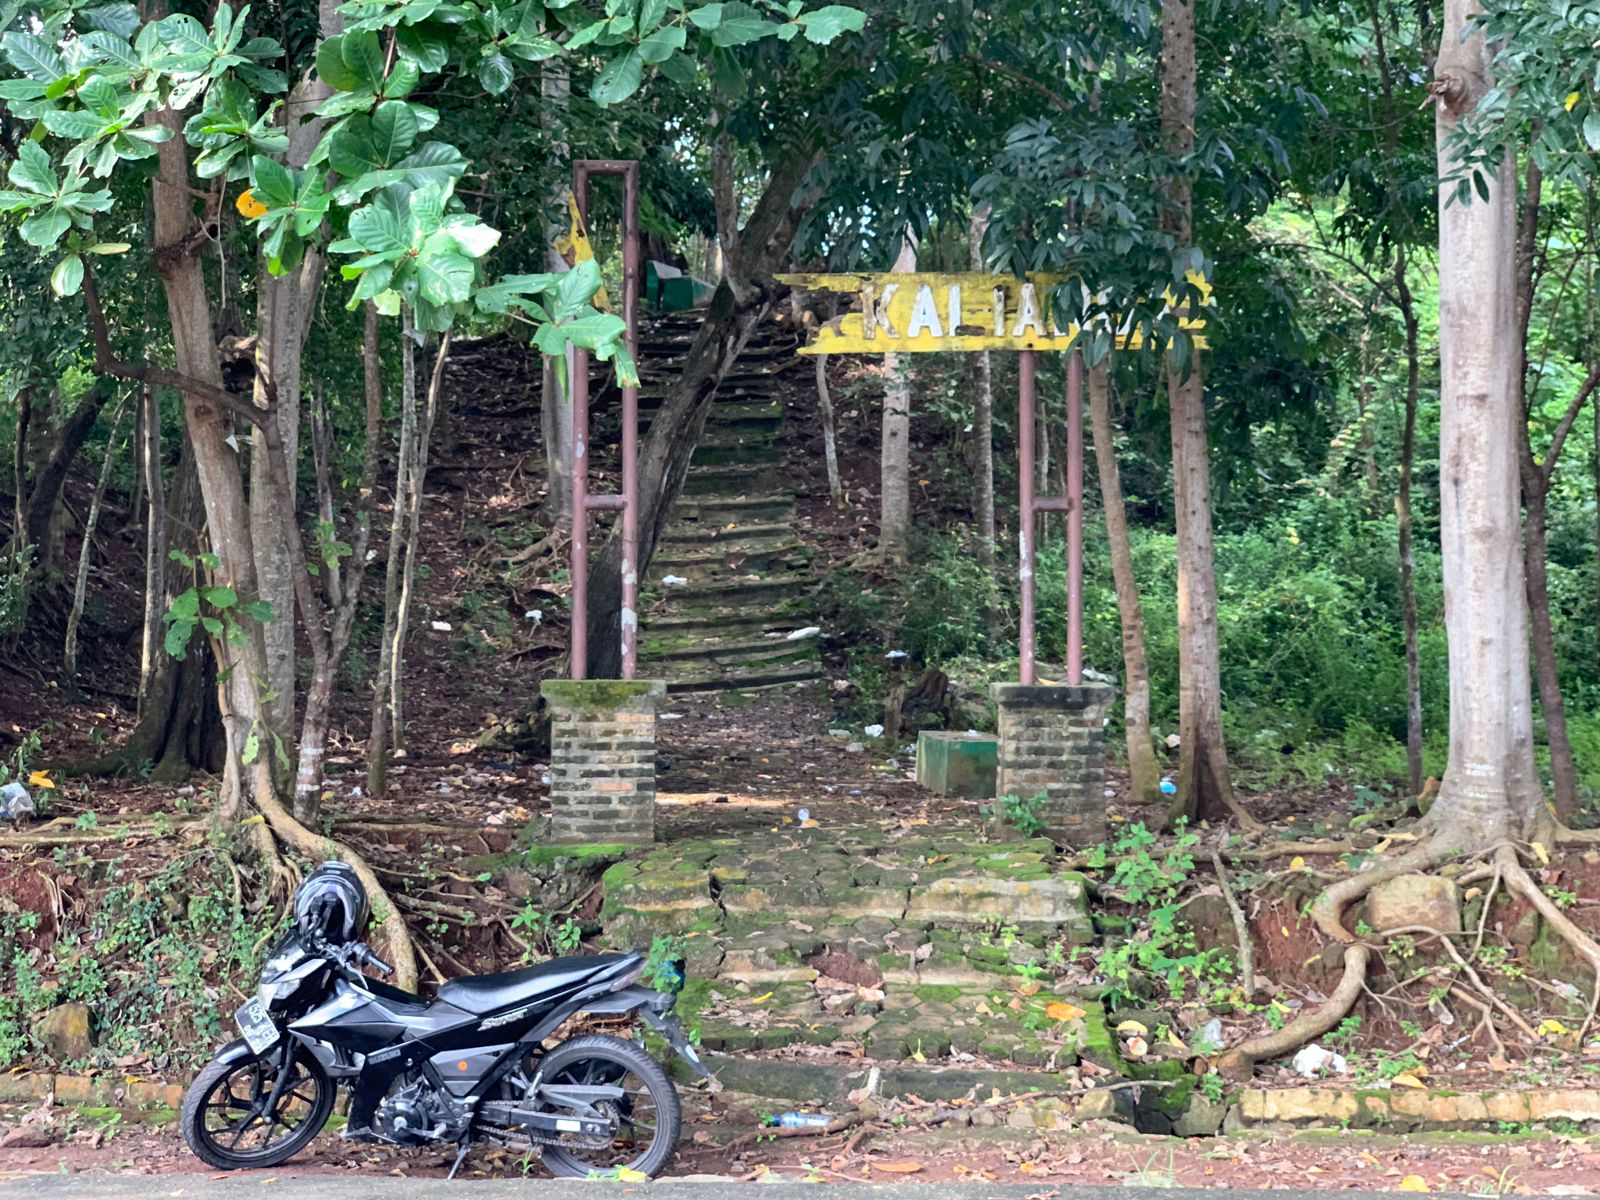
[1044, 504]
[1074, 499]
[1027, 395]
[627, 501]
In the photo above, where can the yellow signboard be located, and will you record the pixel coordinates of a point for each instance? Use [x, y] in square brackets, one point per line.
[934, 313]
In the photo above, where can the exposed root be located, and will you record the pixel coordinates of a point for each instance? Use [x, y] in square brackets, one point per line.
[1518, 880]
[1327, 911]
[1247, 953]
[400, 950]
[65, 832]
[1485, 1017]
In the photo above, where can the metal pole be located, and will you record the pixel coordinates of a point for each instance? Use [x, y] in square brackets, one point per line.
[1027, 387]
[580, 471]
[630, 425]
[1075, 519]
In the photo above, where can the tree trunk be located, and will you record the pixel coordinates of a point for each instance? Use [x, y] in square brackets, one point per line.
[155, 542]
[740, 302]
[1403, 520]
[414, 496]
[285, 305]
[69, 654]
[178, 239]
[983, 419]
[1490, 793]
[44, 495]
[378, 736]
[1143, 768]
[344, 602]
[1205, 789]
[830, 433]
[894, 516]
[1536, 477]
[725, 200]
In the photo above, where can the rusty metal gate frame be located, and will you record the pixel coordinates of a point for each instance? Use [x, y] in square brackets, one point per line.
[1031, 505]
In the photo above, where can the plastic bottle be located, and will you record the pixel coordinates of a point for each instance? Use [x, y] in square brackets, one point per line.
[799, 1120]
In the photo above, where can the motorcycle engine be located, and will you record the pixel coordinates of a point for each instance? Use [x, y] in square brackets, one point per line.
[415, 1115]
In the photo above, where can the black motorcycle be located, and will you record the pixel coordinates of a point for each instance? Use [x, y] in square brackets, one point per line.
[470, 1067]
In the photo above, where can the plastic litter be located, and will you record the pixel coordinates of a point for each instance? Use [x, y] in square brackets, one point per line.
[1168, 788]
[673, 581]
[439, 626]
[1208, 1038]
[15, 802]
[872, 731]
[802, 815]
[897, 654]
[799, 635]
[533, 614]
[855, 748]
[1314, 1060]
[800, 1120]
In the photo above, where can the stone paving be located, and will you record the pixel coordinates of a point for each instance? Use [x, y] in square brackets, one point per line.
[924, 945]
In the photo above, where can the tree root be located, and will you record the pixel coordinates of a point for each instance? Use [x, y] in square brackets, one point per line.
[1247, 954]
[1327, 911]
[54, 834]
[401, 951]
[1518, 880]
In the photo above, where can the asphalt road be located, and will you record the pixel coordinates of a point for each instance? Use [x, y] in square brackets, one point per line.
[346, 1187]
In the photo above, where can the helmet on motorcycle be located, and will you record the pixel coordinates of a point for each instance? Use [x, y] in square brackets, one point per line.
[332, 904]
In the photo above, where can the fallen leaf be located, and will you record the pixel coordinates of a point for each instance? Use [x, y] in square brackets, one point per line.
[1496, 1063]
[1544, 855]
[1551, 1027]
[1131, 1027]
[1027, 989]
[761, 999]
[898, 1168]
[1297, 863]
[1408, 1079]
[1060, 1010]
[1414, 1183]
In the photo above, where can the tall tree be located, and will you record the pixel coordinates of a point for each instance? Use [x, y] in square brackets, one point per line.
[1490, 793]
[894, 490]
[1205, 789]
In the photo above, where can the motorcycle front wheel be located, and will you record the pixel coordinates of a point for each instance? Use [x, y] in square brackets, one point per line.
[225, 1115]
[649, 1115]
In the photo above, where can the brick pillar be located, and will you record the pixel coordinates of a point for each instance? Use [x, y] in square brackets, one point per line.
[1052, 740]
[602, 760]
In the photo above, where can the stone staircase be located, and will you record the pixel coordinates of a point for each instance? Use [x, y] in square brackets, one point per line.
[725, 589]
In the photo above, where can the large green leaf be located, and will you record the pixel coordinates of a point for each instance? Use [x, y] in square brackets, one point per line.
[445, 278]
[74, 123]
[331, 68]
[67, 278]
[423, 46]
[394, 132]
[495, 73]
[33, 171]
[736, 24]
[363, 55]
[824, 24]
[378, 229]
[659, 46]
[44, 229]
[271, 182]
[620, 79]
[33, 56]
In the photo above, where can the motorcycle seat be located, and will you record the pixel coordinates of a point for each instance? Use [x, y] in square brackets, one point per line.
[481, 994]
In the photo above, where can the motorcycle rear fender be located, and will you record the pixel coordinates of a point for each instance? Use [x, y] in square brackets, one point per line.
[630, 999]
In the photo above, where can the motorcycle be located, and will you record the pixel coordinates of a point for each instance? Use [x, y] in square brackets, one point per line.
[470, 1067]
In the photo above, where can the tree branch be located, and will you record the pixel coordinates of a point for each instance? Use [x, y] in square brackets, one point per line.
[1564, 426]
[107, 363]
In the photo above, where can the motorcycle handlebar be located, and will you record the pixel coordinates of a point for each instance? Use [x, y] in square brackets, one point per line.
[365, 956]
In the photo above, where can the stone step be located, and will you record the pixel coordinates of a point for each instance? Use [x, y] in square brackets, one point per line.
[725, 479]
[737, 449]
[756, 533]
[700, 565]
[733, 593]
[719, 511]
[721, 622]
[727, 652]
[746, 679]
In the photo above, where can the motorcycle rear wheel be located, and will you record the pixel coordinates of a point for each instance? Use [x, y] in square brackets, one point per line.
[225, 1119]
[650, 1111]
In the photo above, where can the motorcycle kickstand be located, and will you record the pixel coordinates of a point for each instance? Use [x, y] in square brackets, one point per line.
[461, 1157]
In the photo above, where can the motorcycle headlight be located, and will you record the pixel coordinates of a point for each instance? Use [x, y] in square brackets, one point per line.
[276, 989]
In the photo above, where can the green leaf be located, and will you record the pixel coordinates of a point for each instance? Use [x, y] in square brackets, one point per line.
[532, 48]
[824, 24]
[495, 73]
[394, 132]
[211, 625]
[445, 278]
[44, 229]
[739, 25]
[74, 123]
[271, 182]
[33, 170]
[620, 79]
[363, 55]
[331, 68]
[592, 331]
[425, 48]
[679, 68]
[258, 610]
[252, 749]
[220, 597]
[403, 79]
[33, 56]
[122, 20]
[378, 230]
[661, 44]
[110, 248]
[1591, 128]
[176, 643]
[67, 278]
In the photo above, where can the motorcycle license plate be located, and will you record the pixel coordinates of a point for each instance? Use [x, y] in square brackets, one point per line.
[257, 1027]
